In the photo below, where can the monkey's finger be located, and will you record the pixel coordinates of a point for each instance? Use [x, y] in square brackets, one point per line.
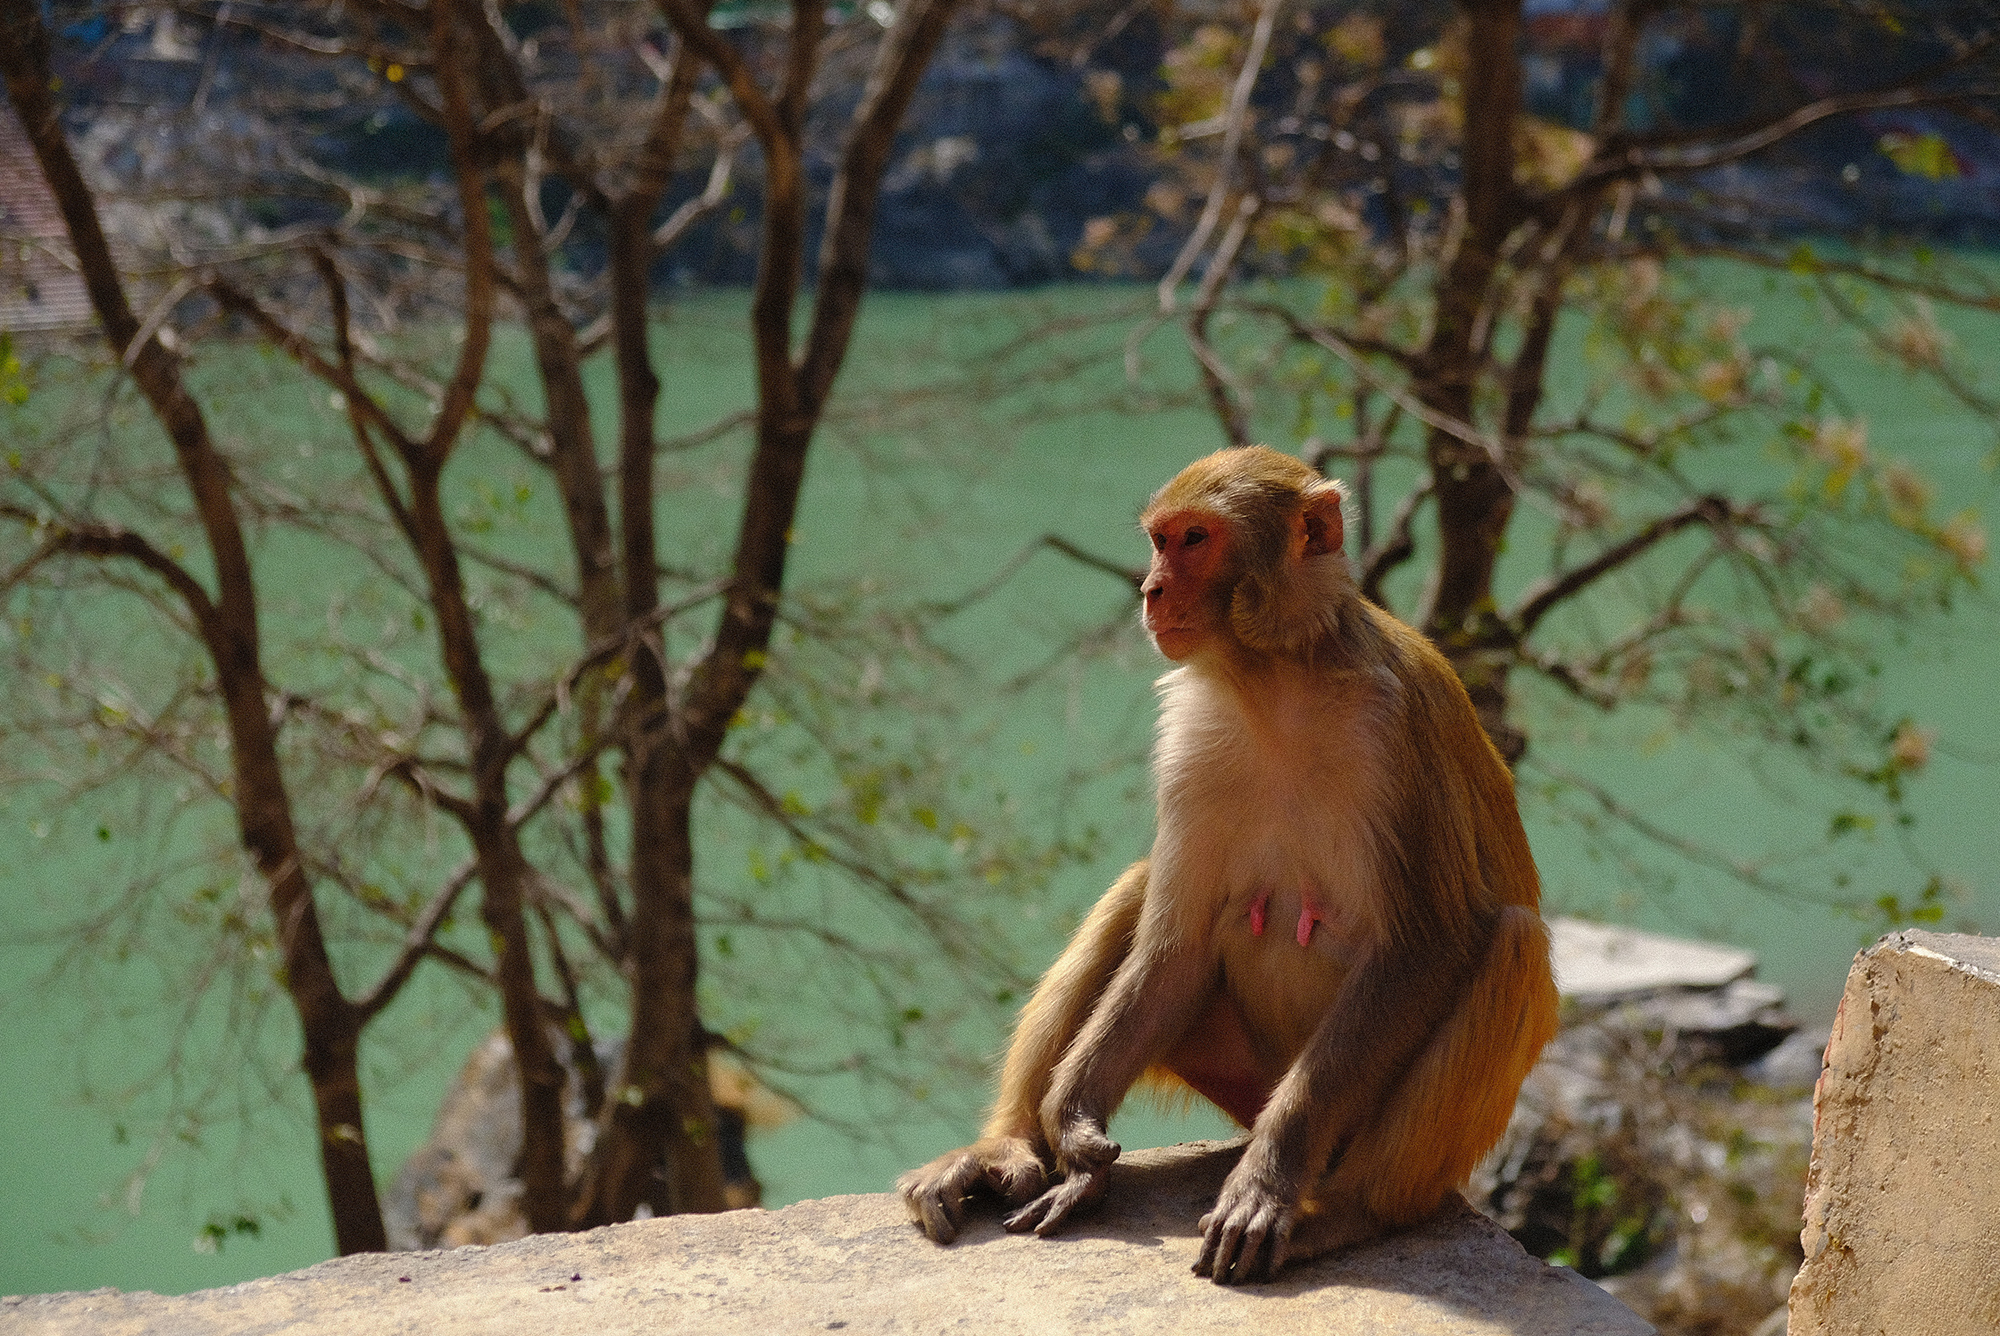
[1065, 1199]
[1210, 1228]
[1017, 1182]
[1265, 1244]
[1077, 1192]
[1205, 1264]
[936, 1201]
[1249, 1261]
[1031, 1215]
[941, 1216]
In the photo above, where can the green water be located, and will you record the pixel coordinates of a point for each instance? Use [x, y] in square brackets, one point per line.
[934, 495]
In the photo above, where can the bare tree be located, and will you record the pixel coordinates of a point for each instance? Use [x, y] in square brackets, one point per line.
[227, 623]
[602, 112]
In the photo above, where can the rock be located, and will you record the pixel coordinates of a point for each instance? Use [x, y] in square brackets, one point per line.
[1900, 1210]
[1596, 961]
[1695, 994]
[1793, 1064]
[1647, 1148]
[459, 1186]
[1734, 1024]
[855, 1264]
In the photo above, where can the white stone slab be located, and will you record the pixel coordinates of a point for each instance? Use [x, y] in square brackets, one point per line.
[1596, 960]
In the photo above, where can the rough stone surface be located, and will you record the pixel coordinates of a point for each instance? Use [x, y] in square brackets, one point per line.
[856, 1264]
[1901, 1213]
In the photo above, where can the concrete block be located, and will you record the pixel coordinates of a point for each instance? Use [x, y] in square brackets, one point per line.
[1902, 1210]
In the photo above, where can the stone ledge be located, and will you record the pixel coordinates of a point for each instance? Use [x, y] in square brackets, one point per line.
[856, 1264]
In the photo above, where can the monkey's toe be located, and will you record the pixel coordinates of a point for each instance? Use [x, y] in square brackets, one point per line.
[1243, 1245]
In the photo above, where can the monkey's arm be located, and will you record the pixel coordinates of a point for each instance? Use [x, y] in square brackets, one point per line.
[1163, 983]
[1010, 1153]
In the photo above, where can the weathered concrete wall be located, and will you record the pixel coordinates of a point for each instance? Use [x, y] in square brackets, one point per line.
[854, 1264]
[1902, 1213]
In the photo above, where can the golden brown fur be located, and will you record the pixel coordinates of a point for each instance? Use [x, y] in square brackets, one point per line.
[1335, 938]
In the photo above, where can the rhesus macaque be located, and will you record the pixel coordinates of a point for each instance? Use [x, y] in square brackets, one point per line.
[1335, 938]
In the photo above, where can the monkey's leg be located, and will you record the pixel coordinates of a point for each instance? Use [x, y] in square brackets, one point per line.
[1010, 1157]
[1451, 1106]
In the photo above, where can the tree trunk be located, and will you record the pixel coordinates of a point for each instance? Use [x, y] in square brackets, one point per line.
[503, 869]
[659, 1116]
[1474, 495]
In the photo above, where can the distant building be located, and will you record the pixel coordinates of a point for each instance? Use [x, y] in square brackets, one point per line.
[39, 285]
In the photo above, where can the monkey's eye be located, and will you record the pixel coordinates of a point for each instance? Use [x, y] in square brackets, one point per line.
[1195, 537]
[1159, 542]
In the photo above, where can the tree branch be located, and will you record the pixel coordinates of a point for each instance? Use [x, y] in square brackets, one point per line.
[1397, 546]
[1351, 352]
[469, 172]
[1225, 394]
[690, 23]
[1701, 854]
[1130, 576]
[1716, 512]
[106, 540]
[1662, 155]
[900, 62]
[1234, 118]
[419, 940]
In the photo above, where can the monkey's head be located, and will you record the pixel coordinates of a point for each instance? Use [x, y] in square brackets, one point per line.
[1246, 552]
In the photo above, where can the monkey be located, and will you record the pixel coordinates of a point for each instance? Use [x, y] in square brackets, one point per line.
[1336, 936]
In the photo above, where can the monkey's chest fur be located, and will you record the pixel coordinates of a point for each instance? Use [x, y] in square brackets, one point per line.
[1275, 805]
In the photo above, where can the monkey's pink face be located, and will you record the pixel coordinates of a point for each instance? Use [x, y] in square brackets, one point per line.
[1190, 555]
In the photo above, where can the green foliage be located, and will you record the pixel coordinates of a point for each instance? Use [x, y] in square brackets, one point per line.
[220, 1229]
[1605, 1240]
[1890, 911]
[14, 385]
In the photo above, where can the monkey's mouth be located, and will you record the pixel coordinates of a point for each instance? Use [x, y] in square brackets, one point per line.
[1175, 642]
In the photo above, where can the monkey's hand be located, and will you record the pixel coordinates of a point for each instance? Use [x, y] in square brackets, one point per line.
[1085, 1155]
[1246, 1236]
[935, 1194]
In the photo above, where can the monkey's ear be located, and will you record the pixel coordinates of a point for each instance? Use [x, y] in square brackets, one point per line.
[1320, 516]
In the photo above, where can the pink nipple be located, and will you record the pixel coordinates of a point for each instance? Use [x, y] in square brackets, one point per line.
[1309, 915]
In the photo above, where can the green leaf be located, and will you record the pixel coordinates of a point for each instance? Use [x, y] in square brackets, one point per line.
[1925, 155]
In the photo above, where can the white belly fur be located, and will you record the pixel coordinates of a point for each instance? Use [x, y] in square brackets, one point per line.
[1272, 809]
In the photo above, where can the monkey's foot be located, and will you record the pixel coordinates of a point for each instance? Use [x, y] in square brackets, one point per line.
[1330, 1227]
[1247, 1237]
[1085, 1156]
